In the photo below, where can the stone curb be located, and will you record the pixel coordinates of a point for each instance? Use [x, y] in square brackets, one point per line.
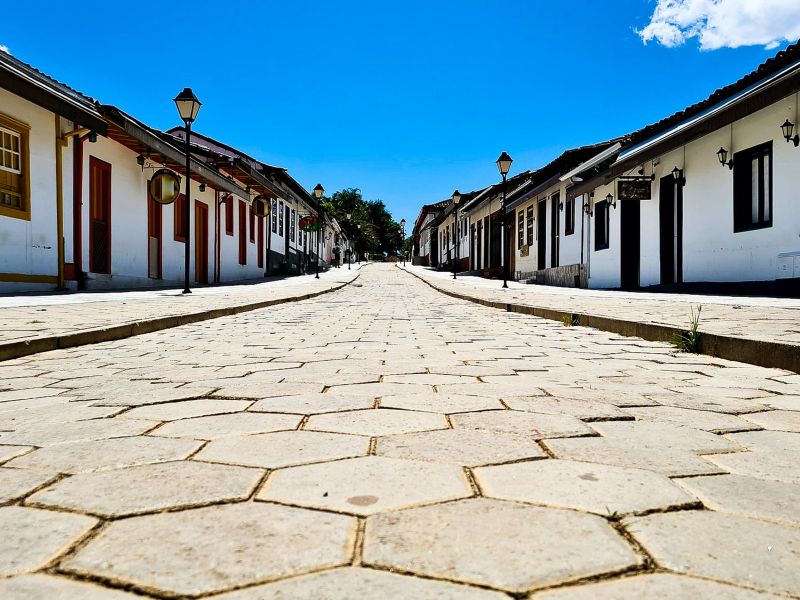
[754, 352]
[21, 348]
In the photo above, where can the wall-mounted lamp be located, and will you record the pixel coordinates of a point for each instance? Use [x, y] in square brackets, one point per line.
[140, 161]
[722, 155]
[788, 128]
[611, 201]
[92, 137]
[677, 175]
[587, 208]
[560, 206]
[202, 187]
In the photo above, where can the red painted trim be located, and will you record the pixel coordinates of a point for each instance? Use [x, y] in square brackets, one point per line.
[242, 233]
[229, 215]
[179, 218]
[77, 204]
[101, 165]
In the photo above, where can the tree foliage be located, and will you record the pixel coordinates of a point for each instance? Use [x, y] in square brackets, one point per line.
[370, 227]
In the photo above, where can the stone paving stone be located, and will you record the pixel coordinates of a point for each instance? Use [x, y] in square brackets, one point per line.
[253, 391]
[719, 404]
[770, 441]
[245, 543]
[16, 483]
[9, 452]
[616, 398]
[747, 496]
[699, 419]
[32, 538]
[378, 390]
[366, 485]
[540, 546]
[311, 404]
[149, 488]
[736, 391]
[776, 420]
[465, 447]
[440, 403]
[783, 402]
[283, 449]
[376, 422]
[656, 433]
[777, 466]
[51, 434]
[731, 548]
[538, 426]
[47, 587]
[11, 419]
[349, 583]
[591, 487]
[581, 409]
[673, 462]
[28, 394]
[495, 390]
[99, 455]
[128, 394]
[429, 378]
[185, 409]
[655, 585]
[218, 426]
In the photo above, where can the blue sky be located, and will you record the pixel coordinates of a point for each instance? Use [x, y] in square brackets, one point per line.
[404, 100]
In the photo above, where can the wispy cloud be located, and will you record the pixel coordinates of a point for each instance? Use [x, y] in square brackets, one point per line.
[724, 23]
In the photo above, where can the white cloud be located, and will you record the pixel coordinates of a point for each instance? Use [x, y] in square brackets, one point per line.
[724, 23]
[4, 49]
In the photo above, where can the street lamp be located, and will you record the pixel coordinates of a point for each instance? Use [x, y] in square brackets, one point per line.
[456, 200]
[188, 107]
[504, 165]
[349, 243]
[403, 244]
[318, 191]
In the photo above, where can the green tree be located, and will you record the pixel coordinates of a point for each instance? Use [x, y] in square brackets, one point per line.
[370, 227]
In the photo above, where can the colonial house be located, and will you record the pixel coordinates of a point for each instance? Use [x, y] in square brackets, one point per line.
[76, 208]
[452, 229]
[709, 194]
[425, 241]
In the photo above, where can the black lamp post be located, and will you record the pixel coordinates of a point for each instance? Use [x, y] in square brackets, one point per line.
[403, 240]
[318, 191]
[456, 200]
[188, 107]
[504, 166]
[349, 243]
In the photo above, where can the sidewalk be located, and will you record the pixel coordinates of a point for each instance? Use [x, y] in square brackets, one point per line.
[40, 322]
[759, 330]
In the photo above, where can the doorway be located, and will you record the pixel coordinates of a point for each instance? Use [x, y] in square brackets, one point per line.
[99, 216]
[200, 242]
[541, 235]
[630, 242]
[486, 237]
[554, 225]
[670, 208]
[154, 235]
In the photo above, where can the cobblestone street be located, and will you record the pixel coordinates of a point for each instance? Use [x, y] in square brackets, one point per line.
[388, 441]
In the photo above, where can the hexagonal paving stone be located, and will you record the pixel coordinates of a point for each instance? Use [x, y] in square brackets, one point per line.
[466, 447]
[655, 433]
[51, 434]
[148, 488]
[656, 585]
[378, 421]
[440, 403]
[284, 448]
[768, 441]
[778, 466]
[699, 419]
[9, 452]
[245, 543]
[32, 538]
[378, 390]
[256, 390]
[783, 402]
[186, 409]
[218, 426]
[132, 393]
[539, 546]
[100, 455]
[15, 483]
[581, 409]
[366, 485]
[40, 587]
[538, 426]
[776, 420]
[592, 487]
[349, 583]
[673, 462]
[310, 404]
[748, 496]
[710, 403]
[732, 548]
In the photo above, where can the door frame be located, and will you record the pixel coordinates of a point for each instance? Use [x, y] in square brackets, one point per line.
[541, 235]
[670, 212]
[101, 165]
[630, 246]
[555, 224]
[155, 222]
[200, 242]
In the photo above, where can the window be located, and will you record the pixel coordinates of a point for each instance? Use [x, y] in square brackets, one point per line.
[569, 215]
[280, 219]
[252, 225]
[229, 215]
[752, 188]
[520, 229]
[14, 171]
[274, 216]
[293, 226]
[601, 225]
[529, 233]
[180, 218]
[242, 232]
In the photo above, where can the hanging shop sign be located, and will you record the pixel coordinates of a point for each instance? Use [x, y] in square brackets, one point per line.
[261, 206]
[165, 186]
[634, 189]
[310, 223]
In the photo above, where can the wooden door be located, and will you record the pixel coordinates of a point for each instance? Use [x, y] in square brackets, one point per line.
[554, 229]
[99, 216]
[260, 242]
[630, 242]
[541, 235]
[670, 209]
[154, 236]
[200, 242]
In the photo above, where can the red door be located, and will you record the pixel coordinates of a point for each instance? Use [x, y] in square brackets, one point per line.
[153, 238]
[260, 242]
[99, 216]
[200, 242]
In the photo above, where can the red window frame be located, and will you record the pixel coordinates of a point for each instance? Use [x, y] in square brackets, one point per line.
[180, 218]
[242, 232]
[252, 225]
[229, 215]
